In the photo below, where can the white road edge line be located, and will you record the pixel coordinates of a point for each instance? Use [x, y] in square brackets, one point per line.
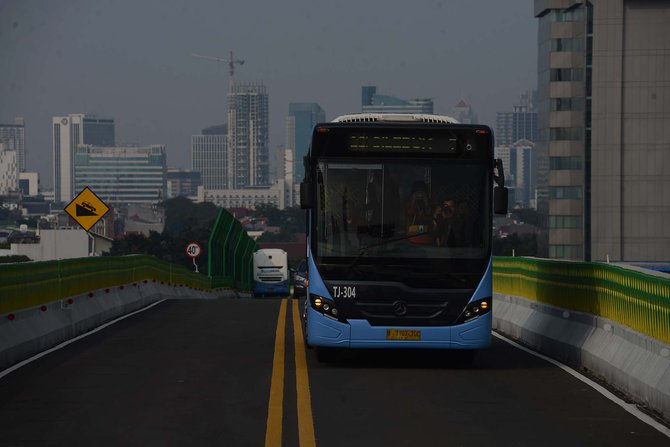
[72, 340]
[630, 408]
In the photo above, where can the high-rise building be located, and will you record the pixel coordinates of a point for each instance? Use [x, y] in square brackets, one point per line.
[122, 175]
[372, 102]
[302, 117]
[209, 156]
[463, 112]
[523, 166]
[603, 120]
[13, 136]
[248, 137]
[519, 124]
[68, 133]
[9, 181]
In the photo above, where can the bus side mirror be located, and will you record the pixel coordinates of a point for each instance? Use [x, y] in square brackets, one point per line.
[500, 200]
[499, 191]
[306, 201]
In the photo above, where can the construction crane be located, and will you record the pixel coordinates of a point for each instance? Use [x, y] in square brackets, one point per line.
[231, 63]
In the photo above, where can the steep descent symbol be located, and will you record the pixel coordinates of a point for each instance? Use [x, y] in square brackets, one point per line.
[85, 209]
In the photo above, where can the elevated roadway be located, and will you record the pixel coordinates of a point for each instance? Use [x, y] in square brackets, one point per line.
[233, 372]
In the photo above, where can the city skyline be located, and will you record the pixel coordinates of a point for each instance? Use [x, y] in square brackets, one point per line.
[158, 93]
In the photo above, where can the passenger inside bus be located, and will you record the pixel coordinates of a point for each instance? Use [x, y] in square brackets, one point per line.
[418, 214]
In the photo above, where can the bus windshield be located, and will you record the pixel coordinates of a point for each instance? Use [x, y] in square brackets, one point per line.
[401, 209]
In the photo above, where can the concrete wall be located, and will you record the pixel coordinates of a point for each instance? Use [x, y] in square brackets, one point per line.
[633, 363]
[30, 331]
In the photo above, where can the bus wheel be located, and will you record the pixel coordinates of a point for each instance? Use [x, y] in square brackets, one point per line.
[326, 355]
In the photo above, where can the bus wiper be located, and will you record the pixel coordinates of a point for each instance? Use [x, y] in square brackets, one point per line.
[362, 250]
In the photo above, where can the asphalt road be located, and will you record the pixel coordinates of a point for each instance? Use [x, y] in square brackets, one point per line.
[210, 373]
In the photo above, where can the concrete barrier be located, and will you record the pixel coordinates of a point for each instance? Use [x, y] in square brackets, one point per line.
[633, 363]
[30, 331]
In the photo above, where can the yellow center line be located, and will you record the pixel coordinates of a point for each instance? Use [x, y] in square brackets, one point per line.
[306, 436]
[276, 402]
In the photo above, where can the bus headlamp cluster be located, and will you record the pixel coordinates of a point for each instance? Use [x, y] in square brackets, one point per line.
[475, 309]
[326, 307]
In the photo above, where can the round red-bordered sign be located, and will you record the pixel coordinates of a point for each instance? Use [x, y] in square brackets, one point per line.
[193, 249]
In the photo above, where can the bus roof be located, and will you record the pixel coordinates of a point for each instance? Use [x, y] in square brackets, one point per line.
[394, 117]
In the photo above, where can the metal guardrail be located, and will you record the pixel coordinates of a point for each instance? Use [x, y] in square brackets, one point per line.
[635, 299]
[29, 284]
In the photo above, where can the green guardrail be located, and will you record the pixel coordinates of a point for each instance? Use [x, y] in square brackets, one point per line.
[29, 284]
[230, 253]
[637, 300]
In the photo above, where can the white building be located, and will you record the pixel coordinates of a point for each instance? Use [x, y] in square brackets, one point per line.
[68, 133]
[61, 244]
[246, 198]
[31, 182]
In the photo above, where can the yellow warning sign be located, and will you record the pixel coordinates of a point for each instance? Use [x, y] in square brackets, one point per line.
[87, 208]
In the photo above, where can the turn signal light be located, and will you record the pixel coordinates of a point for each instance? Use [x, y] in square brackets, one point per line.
[474, 310]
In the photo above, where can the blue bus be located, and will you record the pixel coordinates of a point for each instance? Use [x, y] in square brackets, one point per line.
[400, 211]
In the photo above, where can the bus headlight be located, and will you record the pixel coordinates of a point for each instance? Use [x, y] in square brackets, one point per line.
[324, 306]
[474, 310]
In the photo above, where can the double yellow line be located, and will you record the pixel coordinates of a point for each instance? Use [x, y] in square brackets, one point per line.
[273, 432]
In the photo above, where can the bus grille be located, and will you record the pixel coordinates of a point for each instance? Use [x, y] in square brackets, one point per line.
[385, 309]
[270, 278]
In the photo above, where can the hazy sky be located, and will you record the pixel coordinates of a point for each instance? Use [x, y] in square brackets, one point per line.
[130, 59]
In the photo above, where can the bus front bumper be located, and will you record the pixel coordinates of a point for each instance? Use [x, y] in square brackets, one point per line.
[324, 331]
[279, 288]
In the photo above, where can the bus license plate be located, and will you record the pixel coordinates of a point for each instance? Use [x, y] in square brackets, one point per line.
[403, 334]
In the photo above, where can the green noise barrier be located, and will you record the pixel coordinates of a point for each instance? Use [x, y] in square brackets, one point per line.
[230, 253]
[637, 300]
[29, 284]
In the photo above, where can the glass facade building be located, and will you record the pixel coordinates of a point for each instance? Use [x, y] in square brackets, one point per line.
[122, 175]
[209, 157]
[302, 117]
[372, 102]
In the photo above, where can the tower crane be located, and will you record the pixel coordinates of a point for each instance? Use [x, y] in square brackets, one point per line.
[230, 61]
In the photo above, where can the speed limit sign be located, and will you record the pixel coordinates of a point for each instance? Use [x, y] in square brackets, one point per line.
[193, 249]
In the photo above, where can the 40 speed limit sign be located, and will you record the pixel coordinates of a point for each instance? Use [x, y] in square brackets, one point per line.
[193, 249]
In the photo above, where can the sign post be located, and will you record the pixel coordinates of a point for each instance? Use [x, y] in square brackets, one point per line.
[193, 250]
